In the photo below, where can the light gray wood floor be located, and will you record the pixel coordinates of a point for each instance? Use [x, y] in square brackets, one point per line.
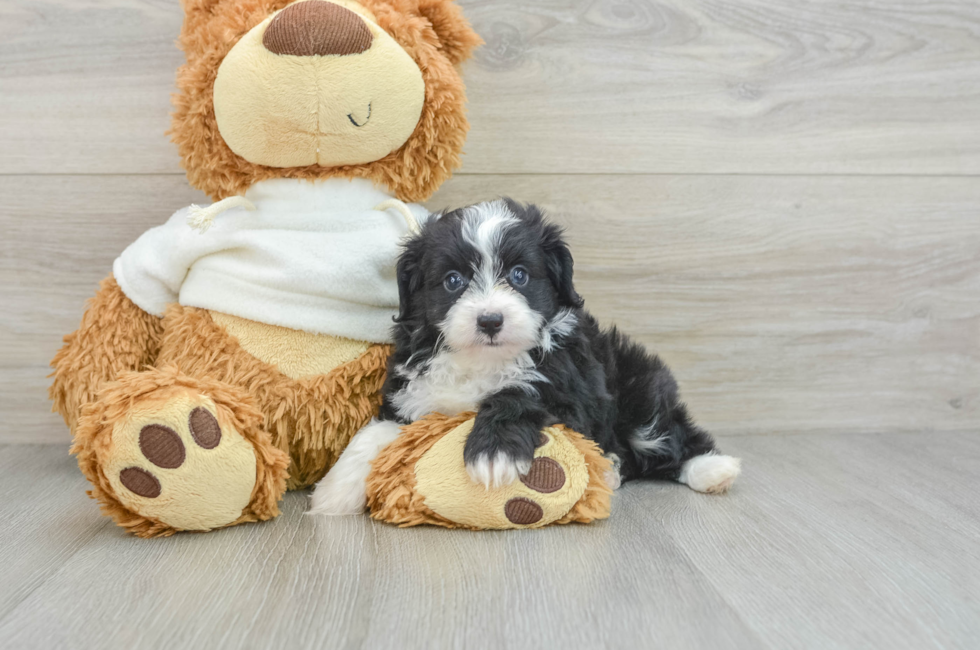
[827, 541]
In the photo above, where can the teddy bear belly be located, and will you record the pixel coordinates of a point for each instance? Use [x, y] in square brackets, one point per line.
[295, 353]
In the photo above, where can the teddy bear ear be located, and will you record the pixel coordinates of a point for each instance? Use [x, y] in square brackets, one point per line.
[457, 40]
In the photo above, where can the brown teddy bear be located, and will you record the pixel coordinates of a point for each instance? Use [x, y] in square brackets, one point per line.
[235, 349]
[237, 341]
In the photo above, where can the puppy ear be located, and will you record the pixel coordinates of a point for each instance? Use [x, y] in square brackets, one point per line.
[409, 271]
[560, 266]
[457, 40]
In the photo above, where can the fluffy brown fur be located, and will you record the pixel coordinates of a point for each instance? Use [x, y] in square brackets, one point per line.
[433, 32]
[392, 494]
[312, 418]
[595, 502]
[115, 336]
[93, 441]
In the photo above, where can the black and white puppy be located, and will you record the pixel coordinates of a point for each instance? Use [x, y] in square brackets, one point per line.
[490, 322]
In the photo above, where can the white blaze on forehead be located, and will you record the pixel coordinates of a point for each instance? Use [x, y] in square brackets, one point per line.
[484, 226]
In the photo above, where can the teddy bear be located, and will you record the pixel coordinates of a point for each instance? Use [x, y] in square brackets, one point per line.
[235, 349]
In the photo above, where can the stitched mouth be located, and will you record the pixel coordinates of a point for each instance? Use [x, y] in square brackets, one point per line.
[350, 116]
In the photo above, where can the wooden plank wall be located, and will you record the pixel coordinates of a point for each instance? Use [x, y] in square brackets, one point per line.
[782, 198]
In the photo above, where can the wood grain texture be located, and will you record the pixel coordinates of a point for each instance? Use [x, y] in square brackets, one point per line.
[46, 517]
[844, 541]
[783, 304]
[573, 86]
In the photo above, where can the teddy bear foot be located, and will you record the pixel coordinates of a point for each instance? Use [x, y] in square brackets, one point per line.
[420, 478]
[167, 453]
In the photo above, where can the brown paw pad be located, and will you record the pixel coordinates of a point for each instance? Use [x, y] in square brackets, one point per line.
[141, 482]
[204, 428]
[523, 512]
[162, 446]
[545, 476]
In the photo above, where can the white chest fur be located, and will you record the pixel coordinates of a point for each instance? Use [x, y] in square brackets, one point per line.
[451, 383]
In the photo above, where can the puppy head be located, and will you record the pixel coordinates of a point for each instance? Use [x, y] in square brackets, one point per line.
[489, 277]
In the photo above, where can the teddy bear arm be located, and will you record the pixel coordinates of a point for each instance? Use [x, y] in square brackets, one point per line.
[115, 336]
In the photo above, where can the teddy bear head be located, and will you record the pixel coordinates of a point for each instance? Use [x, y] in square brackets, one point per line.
[314, 89]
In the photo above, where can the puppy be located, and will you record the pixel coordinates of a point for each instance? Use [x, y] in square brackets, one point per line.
[490, 321]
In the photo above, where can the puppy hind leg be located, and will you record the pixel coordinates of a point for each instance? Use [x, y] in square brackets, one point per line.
[672, 447]
[654, 432]
[711, 473]
[342, 490]
[702, 468]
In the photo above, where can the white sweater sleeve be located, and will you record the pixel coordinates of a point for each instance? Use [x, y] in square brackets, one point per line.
[151, 270]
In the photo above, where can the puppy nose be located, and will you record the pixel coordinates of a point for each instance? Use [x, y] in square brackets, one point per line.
[317, 27]
[490, 323]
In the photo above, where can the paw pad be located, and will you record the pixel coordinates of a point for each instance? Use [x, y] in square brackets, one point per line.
[141, 482]
[162, 446]
[523, 512]
[545, 476]
[205, 428]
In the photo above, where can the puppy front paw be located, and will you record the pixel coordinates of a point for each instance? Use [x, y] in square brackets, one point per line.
[500, 471]
[497, 453]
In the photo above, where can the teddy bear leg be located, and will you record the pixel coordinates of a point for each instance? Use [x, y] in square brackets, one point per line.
[166, 452]
[421, 478]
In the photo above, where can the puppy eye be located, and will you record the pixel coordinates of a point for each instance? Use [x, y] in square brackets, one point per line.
[519, 276]
[453, 282]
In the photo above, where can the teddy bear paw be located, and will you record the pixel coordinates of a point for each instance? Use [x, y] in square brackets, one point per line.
[555, 480]
[172, 461]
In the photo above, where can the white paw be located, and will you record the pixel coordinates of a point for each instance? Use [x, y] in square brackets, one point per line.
[710, 473]
[613, 480]
[336, 495]
[612, 476]
[499, 472]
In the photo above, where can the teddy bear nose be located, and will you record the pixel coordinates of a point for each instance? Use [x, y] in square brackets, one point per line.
[317, 27]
